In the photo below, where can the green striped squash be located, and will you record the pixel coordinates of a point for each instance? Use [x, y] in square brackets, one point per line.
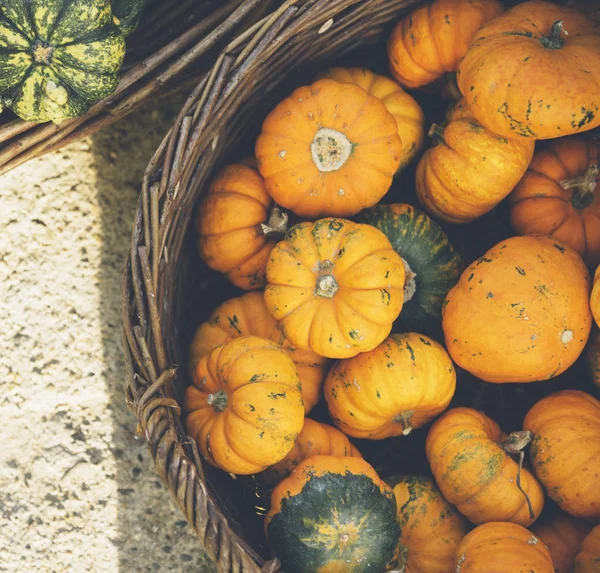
[57, 57]
[127, 14]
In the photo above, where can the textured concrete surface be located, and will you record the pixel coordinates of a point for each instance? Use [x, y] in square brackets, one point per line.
[78, 491]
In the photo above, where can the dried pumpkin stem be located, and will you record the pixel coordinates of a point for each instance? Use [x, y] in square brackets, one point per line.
[436, 132]
[218, 400]
[405, 420]
[410, 282]
[584, 186]
[553, 40]
[326, 286]
[277, 223]
[514, 445]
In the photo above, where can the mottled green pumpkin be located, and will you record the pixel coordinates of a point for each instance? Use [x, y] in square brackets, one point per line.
[57, 57]
[127, 14]
[433, 267]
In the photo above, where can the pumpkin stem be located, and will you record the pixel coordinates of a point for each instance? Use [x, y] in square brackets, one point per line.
[405, 420]
[410, 283]
[436, 132]
[277, 223]
[42, 53]
[553, 40]
[513, 445]
[330, 149]
[218, 400]
[584, 186]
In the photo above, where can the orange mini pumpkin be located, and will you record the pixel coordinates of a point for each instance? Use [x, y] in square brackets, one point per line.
[244, 407]
[560, 196]
[588, 558]
[470, 458]
[336, 286]
[595, 298]
[565, 450]
[401, 385]
[502, 548]
[238, 225]
[406, 111]
[328, 149]
[470, 169]
[521, 312]
[247, 315]
[592, 356]
[432, 39]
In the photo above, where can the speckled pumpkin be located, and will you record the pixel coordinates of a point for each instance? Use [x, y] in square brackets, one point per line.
[588, 558]
[468, 455]
[592, 356]
[595, 298]
[406, 111]
[521, 312]
[502, 548]
[430, 528]
[247, 315]
[329, 149]
[565, 450]
[333, 515]
[244, 407]
[336, 286]
[57, 57]
[399, 386]
[127, 14]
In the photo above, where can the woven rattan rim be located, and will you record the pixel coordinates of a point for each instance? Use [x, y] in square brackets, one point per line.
[251, 65]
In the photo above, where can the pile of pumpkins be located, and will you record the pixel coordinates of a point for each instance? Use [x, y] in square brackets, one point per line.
[327, 292]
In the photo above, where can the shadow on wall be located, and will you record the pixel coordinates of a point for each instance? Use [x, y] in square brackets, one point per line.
[153, 536]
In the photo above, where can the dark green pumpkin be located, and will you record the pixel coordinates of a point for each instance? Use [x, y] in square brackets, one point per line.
[127, 14]
[434, 265]
[57, 57]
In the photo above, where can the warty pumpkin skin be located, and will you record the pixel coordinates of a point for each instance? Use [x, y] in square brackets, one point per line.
[57, 57]
[588, 558]
[468, 456]
[560, 196]
[315, 439]
[470, 169]
[336, 286]
[520, 313]
[328, 149]
[432, 39]
[244, 407]
[565, 450]
[524, 77]
[238, 226]
[333, 515]
[430, 528]
[399, 386]
[247, 315]
[406, 111]
[595, 298]
[502, 548]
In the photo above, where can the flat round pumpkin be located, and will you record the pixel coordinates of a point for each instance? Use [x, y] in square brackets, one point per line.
[333, 514]
[328, 149]
[588, 558]
[520, 313]
[399, 386]
[560, 196]
[244, 407]
[565, 450]
[336, 286]
[534, 72]
[247, 315]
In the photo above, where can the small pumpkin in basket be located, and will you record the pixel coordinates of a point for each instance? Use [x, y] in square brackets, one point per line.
[238, 226]
[127, 14]
[595, 298]
[333, 514]
[336, 286]
[430, 528]
[558, 197]
[57, 58]
[432, 39]
[244, 407]
[470, 169]
[588, 558]
[399, 386]
[247, 315]
[328, 149]
[471, 460]
[533, 72]
[565, 450]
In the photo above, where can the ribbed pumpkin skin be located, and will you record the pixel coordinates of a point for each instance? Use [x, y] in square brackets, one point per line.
[475, 474]
[247, 315]
[57, 57]
[504, 74]
[520, 313]
[432, 39]
[595, 298]
[502, 548]
[399, 386]
[431, 528]
[541, 205]
[406, 111]
[315, 439]
[434, 265]
[470, 169]
[127, 14]
[588, 558]
[565, 450]
[333, 515]
[244, 407]
[562, 534]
